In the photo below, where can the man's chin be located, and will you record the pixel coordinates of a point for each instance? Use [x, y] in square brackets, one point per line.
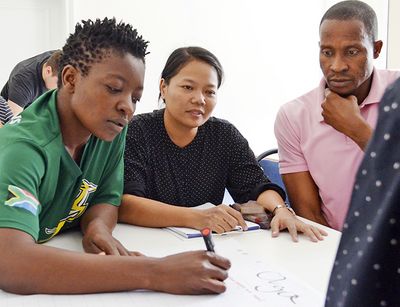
[343, 92]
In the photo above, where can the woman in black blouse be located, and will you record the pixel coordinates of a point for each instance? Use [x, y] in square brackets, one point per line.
[181, 157]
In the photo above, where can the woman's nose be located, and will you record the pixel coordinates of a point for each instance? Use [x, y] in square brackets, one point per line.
[199, 98]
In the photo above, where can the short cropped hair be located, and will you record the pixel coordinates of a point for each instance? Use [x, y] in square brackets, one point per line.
[92, 40]
[348, 10]
[54, 62]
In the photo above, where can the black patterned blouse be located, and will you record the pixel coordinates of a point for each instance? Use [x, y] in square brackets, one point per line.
[219, 157]
[367, 267]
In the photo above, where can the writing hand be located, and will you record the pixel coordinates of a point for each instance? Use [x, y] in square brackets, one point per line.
[197, 272]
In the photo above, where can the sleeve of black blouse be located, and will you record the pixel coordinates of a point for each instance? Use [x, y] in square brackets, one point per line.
[135, 162]
[246, 178]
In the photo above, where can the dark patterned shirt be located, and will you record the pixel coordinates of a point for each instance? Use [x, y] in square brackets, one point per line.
[219, 157]
[367, 266]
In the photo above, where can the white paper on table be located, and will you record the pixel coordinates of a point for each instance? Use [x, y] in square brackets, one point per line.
[251, 282]
[264, 283]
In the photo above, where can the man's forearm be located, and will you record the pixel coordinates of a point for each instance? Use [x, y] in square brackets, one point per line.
[315, 216]
[361, 134]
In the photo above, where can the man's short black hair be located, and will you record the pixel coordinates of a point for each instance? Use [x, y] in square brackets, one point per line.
[348, 10]
[92, 40]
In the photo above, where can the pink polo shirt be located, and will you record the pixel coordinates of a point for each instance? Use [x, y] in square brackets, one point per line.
[307, 143]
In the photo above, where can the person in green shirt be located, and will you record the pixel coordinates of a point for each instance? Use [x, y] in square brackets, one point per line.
[61, 166]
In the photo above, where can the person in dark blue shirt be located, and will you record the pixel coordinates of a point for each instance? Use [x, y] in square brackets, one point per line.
[367, 267]
[31, 78]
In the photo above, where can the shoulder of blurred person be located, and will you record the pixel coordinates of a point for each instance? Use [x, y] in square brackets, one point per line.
[366, 270]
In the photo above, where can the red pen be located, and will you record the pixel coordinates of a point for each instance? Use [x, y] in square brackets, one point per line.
[207, 236]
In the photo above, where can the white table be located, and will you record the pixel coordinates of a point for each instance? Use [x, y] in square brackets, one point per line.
[309, 262]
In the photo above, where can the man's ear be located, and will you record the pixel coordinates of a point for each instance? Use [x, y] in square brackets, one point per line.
[377, 48]
[69, 76]
[48, 70]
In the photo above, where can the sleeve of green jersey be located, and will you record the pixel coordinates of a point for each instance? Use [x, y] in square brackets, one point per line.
[21, 169]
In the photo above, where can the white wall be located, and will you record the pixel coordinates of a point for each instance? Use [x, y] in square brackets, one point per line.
[394, 35]
[269, 49]
[266, 61]
[29, 27]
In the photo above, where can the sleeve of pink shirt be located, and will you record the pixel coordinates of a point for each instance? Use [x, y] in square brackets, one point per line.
[291, 158]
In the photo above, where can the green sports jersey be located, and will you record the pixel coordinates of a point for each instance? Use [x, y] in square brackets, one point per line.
[42, 189]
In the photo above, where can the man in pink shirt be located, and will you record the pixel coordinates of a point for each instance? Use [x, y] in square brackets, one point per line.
[322, 135]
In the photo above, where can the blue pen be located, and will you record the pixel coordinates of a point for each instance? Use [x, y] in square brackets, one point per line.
[207, 236]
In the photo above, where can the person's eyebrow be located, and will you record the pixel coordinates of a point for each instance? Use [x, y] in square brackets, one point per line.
[193, 82]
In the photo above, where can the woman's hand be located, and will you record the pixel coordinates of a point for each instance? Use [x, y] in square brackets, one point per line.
[219, 219]
[284, 218]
